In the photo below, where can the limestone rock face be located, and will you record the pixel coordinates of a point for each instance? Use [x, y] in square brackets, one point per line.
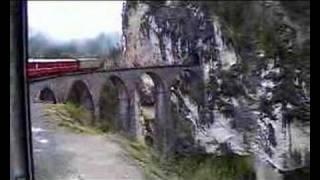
[255, 61]
[155, 34]
[146, 90]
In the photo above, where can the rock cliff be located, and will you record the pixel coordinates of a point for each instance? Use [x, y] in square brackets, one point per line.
[255, 61]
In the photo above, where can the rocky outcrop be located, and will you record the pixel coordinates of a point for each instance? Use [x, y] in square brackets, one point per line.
[146, 90]
[255, 61]
[156, 35]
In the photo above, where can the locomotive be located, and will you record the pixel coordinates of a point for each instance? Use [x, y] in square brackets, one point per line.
[38, 67]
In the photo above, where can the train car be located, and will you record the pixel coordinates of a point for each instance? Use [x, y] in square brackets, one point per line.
[44, 67]
[89, 63]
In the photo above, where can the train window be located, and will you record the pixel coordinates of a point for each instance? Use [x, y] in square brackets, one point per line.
[66, 144]
[73, 116]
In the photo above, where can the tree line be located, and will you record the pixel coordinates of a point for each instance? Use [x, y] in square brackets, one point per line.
[103, 46]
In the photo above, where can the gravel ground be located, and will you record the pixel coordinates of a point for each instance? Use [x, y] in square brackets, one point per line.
[60, 154]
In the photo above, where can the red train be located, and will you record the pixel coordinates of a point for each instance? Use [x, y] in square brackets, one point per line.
[46, 67]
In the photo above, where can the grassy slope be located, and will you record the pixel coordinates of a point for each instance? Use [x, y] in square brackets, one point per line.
[195, 167]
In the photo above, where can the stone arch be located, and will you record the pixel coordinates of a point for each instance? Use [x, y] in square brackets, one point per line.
[114, 103]
[159, 121]
[79, 94]
[124, 103]
[159, 83]
[47, 95]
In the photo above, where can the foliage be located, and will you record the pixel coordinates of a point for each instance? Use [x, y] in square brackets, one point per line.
[77, 112]
[114, 53]
[191, 167]
[303, 173]
[102, 45]
[108, 105]
[231, 85]
[287, 42]
[184, 128]
[207, 167]
[69, 115]
[145, 157]
[299, 10]
[75, 117]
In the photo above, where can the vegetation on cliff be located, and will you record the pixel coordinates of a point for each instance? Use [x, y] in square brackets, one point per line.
[190, 167]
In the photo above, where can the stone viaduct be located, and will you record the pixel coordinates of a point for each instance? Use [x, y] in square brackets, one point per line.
[86, 88]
